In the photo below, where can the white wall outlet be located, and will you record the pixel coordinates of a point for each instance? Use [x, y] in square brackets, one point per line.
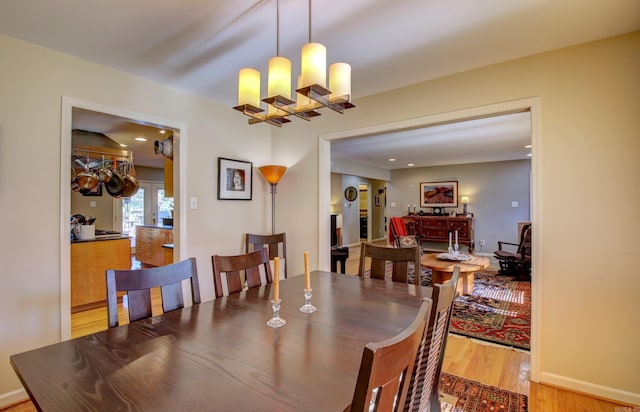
[514, 203]
[92, 203]
[482, 242]
[393, 204]
[193, 203]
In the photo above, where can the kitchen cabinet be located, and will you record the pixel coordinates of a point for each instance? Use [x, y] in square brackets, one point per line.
[89, 263]
[149, 241]
[168, 177]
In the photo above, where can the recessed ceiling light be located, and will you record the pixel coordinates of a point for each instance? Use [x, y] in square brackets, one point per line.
[411, 164]
[392, 159]
[140, 139]
[162, 132]
[528, 146]
[123, 145]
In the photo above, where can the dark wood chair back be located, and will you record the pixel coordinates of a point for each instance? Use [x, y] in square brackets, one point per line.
[383, 383]
[423, 393]
[137, 284]
[516, 262]
[380, 255]
[233, 267]
[275, 244]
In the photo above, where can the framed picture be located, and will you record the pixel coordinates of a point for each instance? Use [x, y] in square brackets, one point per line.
[439, 194]
[96, 191]
[235, 179]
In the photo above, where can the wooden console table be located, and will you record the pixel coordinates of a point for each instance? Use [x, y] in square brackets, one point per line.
[437, 228]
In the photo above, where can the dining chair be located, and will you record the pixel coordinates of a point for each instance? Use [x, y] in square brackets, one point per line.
[232, 268]
[423, 394]
[518, 262]
[380, 255]
[137, 284]
[382, 383]
[275, 244]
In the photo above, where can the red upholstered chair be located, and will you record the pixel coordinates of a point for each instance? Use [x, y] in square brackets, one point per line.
[399, 235]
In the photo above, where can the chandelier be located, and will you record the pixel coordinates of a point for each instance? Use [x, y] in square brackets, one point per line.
[312, 93]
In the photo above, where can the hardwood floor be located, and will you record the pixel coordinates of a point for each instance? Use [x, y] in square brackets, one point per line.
[486, 363]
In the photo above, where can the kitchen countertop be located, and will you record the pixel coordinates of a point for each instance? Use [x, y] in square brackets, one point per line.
[157, 227]
[100, 238]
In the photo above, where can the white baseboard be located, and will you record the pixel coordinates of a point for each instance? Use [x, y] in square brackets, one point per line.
[12, 397]
[589, 388]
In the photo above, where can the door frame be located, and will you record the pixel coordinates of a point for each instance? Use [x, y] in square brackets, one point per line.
[530, 104]
[180, 178]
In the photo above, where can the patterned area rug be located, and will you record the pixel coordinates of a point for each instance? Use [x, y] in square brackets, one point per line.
[463, 395]
[498, 310]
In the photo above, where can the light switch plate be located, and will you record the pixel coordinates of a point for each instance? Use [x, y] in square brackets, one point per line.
[514, 203]
[92, 203]
[193, 203]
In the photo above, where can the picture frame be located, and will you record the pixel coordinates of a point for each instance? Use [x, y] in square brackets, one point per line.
[439, 194]
[235, 179]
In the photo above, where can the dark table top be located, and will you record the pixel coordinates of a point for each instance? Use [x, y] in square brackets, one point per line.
[221, 355]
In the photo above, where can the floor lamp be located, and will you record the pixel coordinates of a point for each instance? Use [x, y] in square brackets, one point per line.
[272, 174]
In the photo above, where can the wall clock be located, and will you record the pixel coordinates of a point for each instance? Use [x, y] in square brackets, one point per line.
[351, 193]
[437, 211]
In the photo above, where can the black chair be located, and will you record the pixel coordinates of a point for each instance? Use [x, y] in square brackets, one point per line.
[138, 285]
[338, 253]
[516, 262]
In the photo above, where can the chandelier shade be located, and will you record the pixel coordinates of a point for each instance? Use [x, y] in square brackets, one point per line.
[314, 64]
[249, 88]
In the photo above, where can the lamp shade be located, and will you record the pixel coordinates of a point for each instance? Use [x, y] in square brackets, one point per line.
[249, 87]
[464, 199]
[279, 83]
[314, 65]
[272, 173]
[340, 80]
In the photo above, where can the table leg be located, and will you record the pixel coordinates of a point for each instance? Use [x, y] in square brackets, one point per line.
[465, 281]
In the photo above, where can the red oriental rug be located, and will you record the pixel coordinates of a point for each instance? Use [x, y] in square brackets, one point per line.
[463, 395]
[498, 310]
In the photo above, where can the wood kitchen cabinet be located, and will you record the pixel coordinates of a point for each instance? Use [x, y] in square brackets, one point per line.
[89, 263]
[149, 241]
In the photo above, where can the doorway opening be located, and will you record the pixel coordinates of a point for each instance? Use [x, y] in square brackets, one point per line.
[531, 105]
[69, 105]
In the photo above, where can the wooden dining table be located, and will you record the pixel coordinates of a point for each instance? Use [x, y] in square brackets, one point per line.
[221, 355]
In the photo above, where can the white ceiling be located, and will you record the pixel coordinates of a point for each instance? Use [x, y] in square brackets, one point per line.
[198, 46]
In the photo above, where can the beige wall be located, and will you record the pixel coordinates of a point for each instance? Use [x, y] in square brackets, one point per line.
[590, 100]
[588, 151]
[33, 80]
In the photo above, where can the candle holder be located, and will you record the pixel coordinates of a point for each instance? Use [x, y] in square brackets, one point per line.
[455, 249]
[307, 307]
[276, 321]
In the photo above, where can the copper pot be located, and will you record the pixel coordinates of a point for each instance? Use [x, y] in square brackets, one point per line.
[131, 184]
